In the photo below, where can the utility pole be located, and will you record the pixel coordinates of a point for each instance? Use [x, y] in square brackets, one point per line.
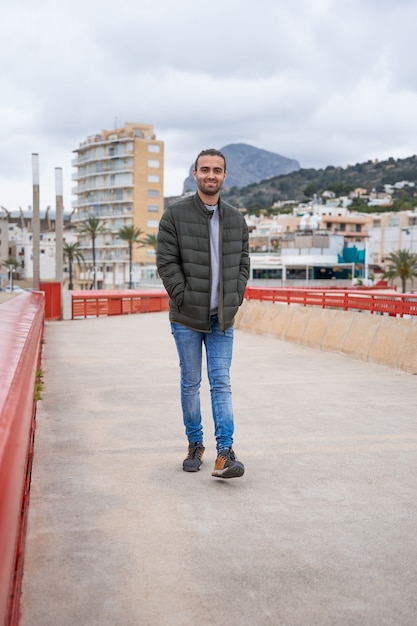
[59, 226]
[36, 225]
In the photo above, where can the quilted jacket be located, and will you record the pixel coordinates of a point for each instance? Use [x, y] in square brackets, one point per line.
[183, 262]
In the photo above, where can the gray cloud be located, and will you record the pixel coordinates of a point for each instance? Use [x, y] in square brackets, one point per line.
[320, 81]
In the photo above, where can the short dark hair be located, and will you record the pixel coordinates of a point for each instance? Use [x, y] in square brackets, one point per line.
[210, 152]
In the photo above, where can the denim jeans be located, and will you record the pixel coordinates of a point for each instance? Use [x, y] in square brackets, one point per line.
[219, 348]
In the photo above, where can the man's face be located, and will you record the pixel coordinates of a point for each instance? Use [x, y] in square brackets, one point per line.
[209, 175]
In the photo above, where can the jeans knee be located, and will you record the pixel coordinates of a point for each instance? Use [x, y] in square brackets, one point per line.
[220, 384]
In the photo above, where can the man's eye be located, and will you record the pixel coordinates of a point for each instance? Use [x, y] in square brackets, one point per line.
[206, 170]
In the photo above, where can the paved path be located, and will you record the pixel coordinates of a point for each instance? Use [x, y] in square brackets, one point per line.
[321, 530]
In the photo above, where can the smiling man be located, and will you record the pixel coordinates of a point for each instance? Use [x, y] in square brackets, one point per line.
[203, 261]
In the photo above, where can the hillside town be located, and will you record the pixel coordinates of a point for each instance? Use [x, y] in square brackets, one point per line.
[315, 242]
[324, 239]
[119, 182]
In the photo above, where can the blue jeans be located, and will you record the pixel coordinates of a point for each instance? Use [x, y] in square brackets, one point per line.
[219, 348]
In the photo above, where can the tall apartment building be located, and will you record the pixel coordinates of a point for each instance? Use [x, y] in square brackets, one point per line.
[120, 180]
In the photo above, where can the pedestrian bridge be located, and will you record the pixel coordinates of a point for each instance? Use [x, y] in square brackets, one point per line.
[319, 530]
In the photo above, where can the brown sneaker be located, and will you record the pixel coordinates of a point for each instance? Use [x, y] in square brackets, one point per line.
[227, 465]
[194, 458]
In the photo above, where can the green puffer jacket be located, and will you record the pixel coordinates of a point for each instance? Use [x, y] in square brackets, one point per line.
[183, 261]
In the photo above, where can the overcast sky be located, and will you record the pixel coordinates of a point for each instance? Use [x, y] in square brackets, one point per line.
[326, 82]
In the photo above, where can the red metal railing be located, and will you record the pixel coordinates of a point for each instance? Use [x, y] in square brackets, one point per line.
[103, 302]
[392, 303]
[21, 328]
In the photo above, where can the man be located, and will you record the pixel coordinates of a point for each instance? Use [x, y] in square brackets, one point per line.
[203, 260]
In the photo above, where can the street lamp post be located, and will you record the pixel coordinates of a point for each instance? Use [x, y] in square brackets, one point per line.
[59, 225]
[36, 223]
[11, 272]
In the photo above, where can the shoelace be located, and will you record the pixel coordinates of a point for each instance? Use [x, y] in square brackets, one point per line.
[192, 452]
[227, 455]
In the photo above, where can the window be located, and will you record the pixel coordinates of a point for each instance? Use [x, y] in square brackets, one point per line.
[153, 178]
[153, 162]
[153, 193]
[153, 147]
[124, 179]
[153, 208]
[152, 223]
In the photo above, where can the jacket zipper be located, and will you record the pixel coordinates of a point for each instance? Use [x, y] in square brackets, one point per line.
[210, 275]
[220, 309]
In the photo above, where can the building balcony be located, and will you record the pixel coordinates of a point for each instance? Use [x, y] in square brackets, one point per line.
[81, 203]
[90, 157]
[92, 187]
[106, 170]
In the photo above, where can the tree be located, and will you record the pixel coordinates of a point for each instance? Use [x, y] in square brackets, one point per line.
[73, 254]
[132, 235]
[92, 227]
[359, 204]
[403, 265]
[310, 190]
[151, 241]
[12, 266]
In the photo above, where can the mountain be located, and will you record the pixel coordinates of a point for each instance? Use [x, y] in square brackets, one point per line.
[304, 184]
[246, 165]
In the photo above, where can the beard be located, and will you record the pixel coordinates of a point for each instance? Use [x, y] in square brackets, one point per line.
[209, 189]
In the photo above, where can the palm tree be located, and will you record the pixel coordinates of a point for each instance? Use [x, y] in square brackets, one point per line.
[12, 266]
[151, 241]
[403, 265]
[132, 235]
[92, 227]
[73, 254]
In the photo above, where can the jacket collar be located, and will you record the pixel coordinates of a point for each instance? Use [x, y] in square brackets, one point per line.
[203, 207]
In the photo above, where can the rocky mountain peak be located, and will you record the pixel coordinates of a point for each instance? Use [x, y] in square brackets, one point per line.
[246, 165]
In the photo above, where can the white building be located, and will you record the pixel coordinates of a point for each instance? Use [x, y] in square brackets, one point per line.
[16, 242]
[21, 244]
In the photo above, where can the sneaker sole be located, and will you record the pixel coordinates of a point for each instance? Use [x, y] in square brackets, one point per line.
[191, 469]
[229, 472]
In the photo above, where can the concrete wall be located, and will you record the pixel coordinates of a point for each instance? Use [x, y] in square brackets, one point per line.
[379, 339]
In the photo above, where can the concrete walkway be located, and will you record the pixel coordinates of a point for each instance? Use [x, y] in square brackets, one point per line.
[321, 530]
